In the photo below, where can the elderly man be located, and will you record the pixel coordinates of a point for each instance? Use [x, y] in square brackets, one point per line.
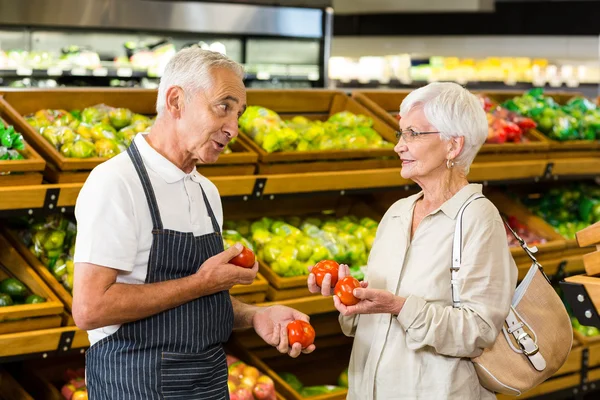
[151, 278]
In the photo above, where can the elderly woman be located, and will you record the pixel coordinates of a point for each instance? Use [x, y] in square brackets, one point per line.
[409, 340]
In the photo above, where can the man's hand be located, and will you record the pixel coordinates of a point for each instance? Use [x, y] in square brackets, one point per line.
[373, 301]
[218, 274]
[271, 323]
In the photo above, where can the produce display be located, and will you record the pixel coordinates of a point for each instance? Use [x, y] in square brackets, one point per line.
[75, 388]
[568, 209]
[505, 126]
[343, 130]
[301, 332]
[579, 119]
[10, 143]
[527, 235]
[246, 382]
[289, 246]
[98, 131]
[52, 241]
[310, 391]
[14, 292]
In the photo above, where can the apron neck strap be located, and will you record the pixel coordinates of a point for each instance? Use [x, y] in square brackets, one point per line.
[211, 214]
[140, 168]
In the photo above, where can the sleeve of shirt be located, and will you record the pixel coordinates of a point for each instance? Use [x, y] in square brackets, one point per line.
[487, 279]
[106, 225]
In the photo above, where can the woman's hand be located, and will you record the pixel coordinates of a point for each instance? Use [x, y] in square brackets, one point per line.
[372, 301]
[326, 289]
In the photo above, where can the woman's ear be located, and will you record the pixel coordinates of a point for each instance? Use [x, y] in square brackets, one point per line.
[455, 146]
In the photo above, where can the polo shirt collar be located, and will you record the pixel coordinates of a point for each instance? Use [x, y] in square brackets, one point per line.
[159, 164]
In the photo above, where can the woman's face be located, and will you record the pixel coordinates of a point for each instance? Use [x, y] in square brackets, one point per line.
[421, 155]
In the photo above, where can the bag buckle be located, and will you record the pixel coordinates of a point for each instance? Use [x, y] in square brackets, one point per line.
[525, 351]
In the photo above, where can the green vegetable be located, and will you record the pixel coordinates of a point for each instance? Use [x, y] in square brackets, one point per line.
[292, 380]
[5, 300]
[309, 391]
[13, 287]
[34, 299]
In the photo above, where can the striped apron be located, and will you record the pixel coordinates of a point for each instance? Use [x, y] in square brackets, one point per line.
[178, 353]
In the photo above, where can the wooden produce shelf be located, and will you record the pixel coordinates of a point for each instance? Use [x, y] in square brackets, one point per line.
[386, 105]
[321, 367]
[310, 305]
[585, 166]
[256, 292]
[45, 378]
[63, 294]
[549, 386]
[44, 341]
[18, 103]
[19, 318]
[560, 98]
[10, 389]
[507, 170]
[318, 105]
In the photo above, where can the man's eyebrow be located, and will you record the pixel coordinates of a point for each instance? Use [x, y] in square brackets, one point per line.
[231, 98]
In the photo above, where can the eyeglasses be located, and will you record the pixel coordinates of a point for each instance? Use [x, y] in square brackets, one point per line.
[409, 134]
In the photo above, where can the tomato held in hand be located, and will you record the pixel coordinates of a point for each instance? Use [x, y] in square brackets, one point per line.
[301, 332]
[326, 267]
[245, 259]
[344, 290]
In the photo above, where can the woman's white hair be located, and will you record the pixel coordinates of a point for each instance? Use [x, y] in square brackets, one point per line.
[454, 112]
[190, 69]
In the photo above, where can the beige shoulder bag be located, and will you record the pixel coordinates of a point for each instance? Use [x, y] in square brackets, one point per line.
[536, 337]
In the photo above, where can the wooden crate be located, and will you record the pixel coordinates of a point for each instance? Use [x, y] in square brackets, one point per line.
[386, 105]
[26, 317]
[18, 103]
[256, 292]
[560, 98]
[63, 294]
[20, 172]
[10, 389]
[319, 105]
[287, 288]
[555, 244]
[322, 367]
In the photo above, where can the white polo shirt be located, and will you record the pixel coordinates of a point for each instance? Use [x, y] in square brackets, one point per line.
[114, 226]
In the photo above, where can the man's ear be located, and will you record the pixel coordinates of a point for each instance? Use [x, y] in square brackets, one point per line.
[174, 101]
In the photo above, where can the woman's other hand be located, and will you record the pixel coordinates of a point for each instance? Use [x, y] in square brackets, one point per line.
[372, 301]
[326, 289]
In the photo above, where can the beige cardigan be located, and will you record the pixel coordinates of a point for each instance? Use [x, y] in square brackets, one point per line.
[424, 352]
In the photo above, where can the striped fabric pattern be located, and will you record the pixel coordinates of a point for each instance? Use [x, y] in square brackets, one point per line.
[177, 354]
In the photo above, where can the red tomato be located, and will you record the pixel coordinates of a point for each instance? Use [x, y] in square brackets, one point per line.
[344, 290]
[326, 267]
[301, 332]
[245, 259]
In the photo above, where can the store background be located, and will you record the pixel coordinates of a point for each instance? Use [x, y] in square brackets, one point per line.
[303, 57]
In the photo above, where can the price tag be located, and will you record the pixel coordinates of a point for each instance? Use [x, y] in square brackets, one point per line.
[100, 72]
[79, 71]
[124, 72]
[24, 71]
[263, 76]
[54, 71]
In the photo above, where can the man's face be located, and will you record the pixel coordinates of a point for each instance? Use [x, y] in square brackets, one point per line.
[209, 119]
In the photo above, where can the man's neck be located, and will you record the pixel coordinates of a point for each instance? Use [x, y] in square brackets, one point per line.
[161, 138]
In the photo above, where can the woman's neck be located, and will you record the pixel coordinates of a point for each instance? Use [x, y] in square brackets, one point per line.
[439, 189]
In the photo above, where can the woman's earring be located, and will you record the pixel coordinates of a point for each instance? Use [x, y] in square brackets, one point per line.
[449, 164]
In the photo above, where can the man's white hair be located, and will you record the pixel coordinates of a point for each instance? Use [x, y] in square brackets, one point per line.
[454, 112]
[190, 69]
